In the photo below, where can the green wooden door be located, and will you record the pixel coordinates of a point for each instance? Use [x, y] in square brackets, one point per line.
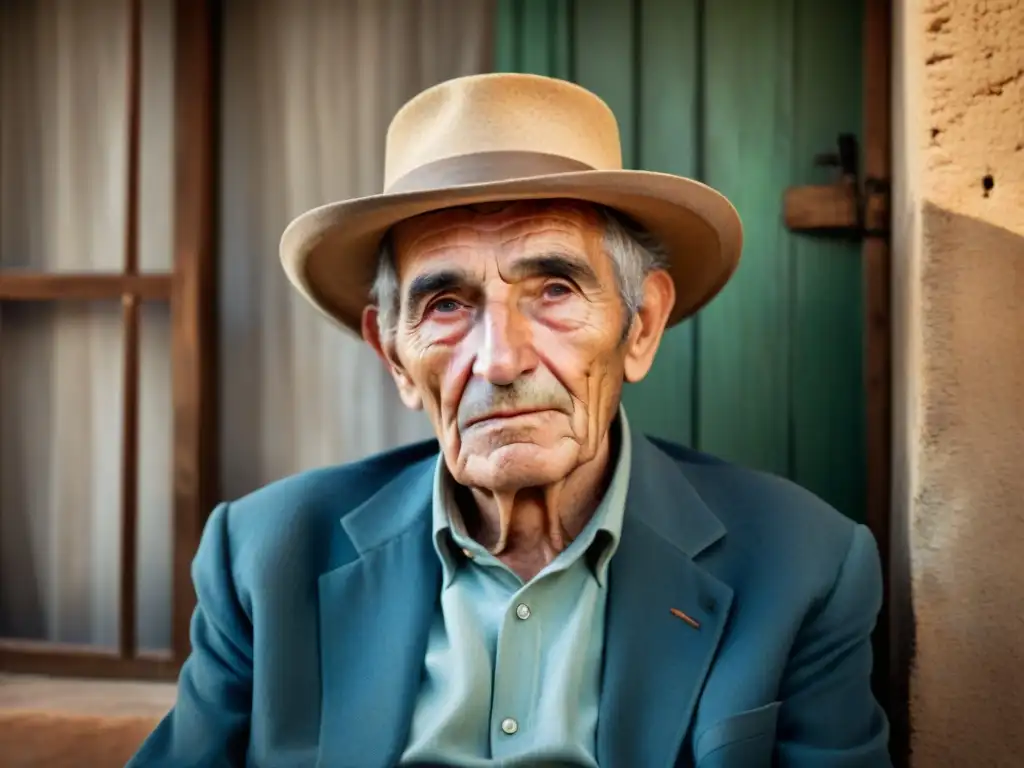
[741, 94]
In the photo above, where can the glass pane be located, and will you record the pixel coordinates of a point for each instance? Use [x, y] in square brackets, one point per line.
[155, 528]
[62, 168]
[156, 150]
[60, 471]
[64, 140]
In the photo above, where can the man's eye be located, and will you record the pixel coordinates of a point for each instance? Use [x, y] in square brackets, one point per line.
[556, 290]
[446, 306]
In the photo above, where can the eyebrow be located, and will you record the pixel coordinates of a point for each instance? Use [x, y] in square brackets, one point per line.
[554, 264]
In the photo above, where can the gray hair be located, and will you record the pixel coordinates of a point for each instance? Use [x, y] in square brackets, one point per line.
[634, 252]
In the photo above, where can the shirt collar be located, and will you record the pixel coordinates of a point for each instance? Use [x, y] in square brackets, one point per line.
[598, 540]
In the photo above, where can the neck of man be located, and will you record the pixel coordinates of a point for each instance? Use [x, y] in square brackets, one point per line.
[527, 528]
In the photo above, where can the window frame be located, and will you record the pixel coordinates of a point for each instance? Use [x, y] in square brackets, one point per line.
[190, 288]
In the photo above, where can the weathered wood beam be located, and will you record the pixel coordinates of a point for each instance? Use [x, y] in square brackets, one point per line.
[68, 286]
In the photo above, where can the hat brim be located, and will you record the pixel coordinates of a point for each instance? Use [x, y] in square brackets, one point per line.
[330, 253]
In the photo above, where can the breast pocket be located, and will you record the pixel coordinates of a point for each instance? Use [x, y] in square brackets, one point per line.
[746, 740]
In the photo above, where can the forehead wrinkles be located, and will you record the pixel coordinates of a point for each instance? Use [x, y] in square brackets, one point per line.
[506, 223]
[490, 243]
[429, 240]
[564, 229]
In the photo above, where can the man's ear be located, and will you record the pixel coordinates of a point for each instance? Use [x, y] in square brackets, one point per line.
[649, 325]
[385, 349]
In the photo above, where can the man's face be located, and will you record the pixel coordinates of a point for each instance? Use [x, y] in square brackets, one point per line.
[510, 335]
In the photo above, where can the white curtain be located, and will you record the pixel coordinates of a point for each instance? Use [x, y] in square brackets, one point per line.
[309, 87]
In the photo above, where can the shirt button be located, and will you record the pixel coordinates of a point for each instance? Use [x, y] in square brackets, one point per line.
[509, 725]
[523, 611]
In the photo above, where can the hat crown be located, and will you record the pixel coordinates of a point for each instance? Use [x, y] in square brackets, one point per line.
[504, 112]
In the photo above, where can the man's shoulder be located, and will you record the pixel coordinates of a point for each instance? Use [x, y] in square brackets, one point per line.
[347, 484]
[765, 513]
[313, 502]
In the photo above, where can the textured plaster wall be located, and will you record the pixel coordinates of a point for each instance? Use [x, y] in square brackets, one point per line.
[959, 360]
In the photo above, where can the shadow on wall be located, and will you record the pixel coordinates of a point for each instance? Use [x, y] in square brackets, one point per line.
[967, 512]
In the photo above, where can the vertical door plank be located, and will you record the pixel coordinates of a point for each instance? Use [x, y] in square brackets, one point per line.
[507, 31]
[606, 62]
[827, 378]
[743, 335]
[563, 41]
[668, 103]
[545, 38]
[534, 36]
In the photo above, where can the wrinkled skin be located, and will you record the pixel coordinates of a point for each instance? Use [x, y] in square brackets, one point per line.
[511, 337]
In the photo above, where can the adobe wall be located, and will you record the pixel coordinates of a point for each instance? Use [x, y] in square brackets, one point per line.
[959, 389]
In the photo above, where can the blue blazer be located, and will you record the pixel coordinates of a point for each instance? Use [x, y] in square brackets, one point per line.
[315, 596]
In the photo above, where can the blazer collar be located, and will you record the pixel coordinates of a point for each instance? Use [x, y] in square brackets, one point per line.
[663, 499]
[395, 508]
[665, 616]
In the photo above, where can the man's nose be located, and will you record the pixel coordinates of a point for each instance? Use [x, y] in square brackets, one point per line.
[506, 350]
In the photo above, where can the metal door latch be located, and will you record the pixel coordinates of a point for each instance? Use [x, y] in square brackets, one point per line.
[849, 207]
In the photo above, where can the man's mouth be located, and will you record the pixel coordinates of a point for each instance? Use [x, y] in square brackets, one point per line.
[502, 415]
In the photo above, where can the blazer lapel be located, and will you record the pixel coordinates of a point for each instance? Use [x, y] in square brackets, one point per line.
[375, 615]
[655, 660]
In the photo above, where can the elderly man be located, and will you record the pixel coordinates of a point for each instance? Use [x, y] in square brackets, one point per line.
[541, 586]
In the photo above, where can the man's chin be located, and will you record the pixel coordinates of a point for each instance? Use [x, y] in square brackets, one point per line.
[517, 465]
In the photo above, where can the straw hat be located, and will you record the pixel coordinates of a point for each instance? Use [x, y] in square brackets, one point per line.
[499, 137]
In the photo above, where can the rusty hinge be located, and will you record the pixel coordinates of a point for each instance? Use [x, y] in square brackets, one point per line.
[849, 207]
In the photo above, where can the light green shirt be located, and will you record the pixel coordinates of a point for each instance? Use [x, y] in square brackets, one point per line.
[512, 673]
